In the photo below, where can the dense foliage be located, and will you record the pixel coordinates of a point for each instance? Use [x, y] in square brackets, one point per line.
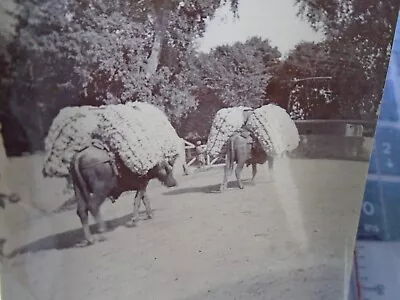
[359, 32]
[97, 51]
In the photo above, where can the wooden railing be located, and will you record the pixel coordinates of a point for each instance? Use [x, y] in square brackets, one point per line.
[190, 147]
[368, 128]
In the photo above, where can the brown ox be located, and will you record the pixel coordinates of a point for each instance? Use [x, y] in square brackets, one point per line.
[96, 176]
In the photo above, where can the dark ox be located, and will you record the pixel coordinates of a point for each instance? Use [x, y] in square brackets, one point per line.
[244, 149]
[96, 176]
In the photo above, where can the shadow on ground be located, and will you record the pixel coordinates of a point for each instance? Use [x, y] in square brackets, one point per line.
[207, 189]
[69, 239]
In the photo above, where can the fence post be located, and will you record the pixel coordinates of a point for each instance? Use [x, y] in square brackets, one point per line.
[353, 136]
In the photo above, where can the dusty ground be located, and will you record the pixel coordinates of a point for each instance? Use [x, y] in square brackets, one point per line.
[287, 239]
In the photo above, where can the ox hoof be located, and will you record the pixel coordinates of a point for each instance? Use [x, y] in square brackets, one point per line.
[241, 187]
[149, 217]
[102, 230]
[131, 224]
[14, 198]
[102, 238]
[85, 243]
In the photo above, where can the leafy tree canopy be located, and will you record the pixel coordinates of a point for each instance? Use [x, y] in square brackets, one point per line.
[358, 30]
[239, 73]
[96, 51]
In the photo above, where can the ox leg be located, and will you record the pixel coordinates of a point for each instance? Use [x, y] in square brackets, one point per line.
[227, 173]
[94, 208]
[271, 167]
[146, 202]
[102, 189]
[2, 243]
[254, 172]
[83, 214]
[136, 206]
[238, 172]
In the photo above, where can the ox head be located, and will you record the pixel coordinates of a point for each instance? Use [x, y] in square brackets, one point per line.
[164, 172]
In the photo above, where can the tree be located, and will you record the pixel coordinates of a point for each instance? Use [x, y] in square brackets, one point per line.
[304, 90]
[364, 29]
[238, 74]
[230, 75]
[96, 51]
[197, 124]
[316, 80]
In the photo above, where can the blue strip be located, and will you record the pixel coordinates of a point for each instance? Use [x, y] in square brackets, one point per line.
[380, 213]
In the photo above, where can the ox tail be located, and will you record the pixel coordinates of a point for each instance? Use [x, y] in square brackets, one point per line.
[79, 182]
[230, 158]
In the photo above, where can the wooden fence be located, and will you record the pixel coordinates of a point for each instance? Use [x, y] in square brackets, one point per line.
[190, 148]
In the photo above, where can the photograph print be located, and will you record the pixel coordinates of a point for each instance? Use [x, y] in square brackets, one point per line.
[186, 150]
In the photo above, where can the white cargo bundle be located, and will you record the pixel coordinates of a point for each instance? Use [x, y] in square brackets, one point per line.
[274, 129]
[270, 124]
[226, 122]
[69, 133]
[139, 133]
[167, 136]
[141, 138]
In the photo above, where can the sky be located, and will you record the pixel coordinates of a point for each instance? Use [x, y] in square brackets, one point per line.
[275, 20]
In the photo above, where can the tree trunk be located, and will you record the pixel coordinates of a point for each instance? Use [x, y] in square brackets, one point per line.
[160, 29]
[154, 58]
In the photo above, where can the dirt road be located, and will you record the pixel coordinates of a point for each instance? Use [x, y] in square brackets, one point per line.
[285, 239]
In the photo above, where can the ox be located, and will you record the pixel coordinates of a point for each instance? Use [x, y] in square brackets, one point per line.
[244, 149]
[97, 176]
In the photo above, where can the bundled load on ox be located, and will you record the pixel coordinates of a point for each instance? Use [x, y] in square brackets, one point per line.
[251, 136]
[138, 132]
